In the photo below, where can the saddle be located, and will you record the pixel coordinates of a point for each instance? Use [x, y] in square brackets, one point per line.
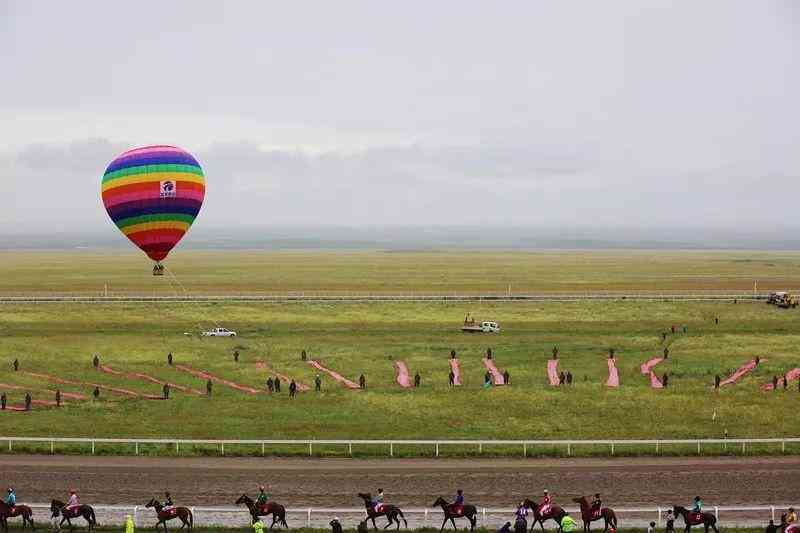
[75, 512]
[456, 510]
[171, 512]
[380, 507]
[262, 507]
[696, 518]
[596, 513]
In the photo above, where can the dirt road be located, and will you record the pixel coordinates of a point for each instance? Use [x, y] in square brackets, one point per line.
[623, 482]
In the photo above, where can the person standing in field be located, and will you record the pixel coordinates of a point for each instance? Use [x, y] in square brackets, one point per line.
[775, 383]
[96, 361]
[569, 378]
[270, 385]
[336, 526]
[3, 400]
[165, 391]
[452, 377]
[16, 365]
[666, 352]
[277, 384]
[292, 389]
[665, 380]
[417, 380]
[506, 377]
[236, 356]
[169, 358]
[318, 383]
[785, 383]
[717, 381]
[28, 401]
[555, 352]
[562, 377]
[362, 382]
[96, 393]
[452, 354]
[209, 387]
[58, 397]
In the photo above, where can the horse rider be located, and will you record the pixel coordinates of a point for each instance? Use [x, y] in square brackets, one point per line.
[458, 505]
[597, 504]
[263, 497]
[546, 504]
[377, 501]
[697, 505]
[73, 504]
[522, 512]
[168, 504]
[11, 499]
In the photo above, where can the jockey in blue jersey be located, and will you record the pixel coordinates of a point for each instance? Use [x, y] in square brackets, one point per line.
[11, 499]
[697, 506]
[458, 505]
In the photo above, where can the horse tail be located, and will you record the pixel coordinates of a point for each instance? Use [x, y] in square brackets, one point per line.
[191, 519]
[94, 518]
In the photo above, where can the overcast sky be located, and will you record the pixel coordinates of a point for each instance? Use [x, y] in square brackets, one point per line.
[544, 114]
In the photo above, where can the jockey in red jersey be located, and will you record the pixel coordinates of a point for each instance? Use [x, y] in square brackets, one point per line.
[458, 505]
[547, 502]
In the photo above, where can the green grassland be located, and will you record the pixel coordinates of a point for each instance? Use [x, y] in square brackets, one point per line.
[365, 337]
[388, 272]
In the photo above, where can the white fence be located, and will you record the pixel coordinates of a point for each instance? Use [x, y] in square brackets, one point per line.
[434, 447]
[730, 516]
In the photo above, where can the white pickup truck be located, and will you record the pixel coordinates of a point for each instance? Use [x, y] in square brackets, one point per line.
[219, 332]
[481, 327]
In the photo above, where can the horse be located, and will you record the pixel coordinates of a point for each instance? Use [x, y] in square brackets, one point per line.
[84, 511]
[692, 519]
[470, 513]
[390, 511]
[555, 513]
[608, 515]
[176, 512]
[7, 512]
[277, 511]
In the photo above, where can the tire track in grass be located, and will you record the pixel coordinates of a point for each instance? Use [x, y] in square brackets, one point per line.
[497, 376]
[335, 375]
[116, 390]
[207, 375]
[401, 374]
[741, 372]
[147, 377]
[791, 375]
[301, 387]
[70, 395]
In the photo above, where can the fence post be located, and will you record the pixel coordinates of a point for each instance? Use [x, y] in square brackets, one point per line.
[425, 519]
[92, 447]
[222, 448]
[744, 447]
[308, 518]
[310, 453]
[52, 446]
[716, 511]
[136, 447]
[483, 520]
[9, 444]
[480, 447]
[569, 449]
[698, 447]
[783, 450]
[177, 447]
[391, 449]
[437, 448]
[657, 443]
[659, 515]
[612, 448]
[263, 449]
[135, 509]
[350, 448]
[524, 449]
[772, 511]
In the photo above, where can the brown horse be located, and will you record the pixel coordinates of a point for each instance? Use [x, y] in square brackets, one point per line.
[277, 511]
[695, 519]
[84, 511]
[589, 516]
[176, 512]
[7, 512]
[391, 512]
[555, 513]
[470, 513]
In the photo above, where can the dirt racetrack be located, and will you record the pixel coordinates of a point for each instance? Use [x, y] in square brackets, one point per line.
[624, 482]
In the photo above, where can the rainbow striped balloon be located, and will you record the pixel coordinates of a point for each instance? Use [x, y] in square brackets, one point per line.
[153, 195]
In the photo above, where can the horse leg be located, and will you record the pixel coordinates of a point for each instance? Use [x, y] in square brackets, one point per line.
[374, 525]
[453, 520]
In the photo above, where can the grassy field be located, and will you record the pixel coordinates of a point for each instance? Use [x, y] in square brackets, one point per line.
[90, 272]
[356, 338]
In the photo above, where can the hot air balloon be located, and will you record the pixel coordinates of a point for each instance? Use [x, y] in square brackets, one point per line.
[153, 195]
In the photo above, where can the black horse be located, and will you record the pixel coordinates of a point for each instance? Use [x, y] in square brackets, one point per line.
[391, 512]
[708, 520]
[84, 511]
[164, 515]
[277, 510]
[23, 511]
[470, 512]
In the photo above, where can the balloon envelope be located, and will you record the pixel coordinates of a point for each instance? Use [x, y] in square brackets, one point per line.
[153, 195]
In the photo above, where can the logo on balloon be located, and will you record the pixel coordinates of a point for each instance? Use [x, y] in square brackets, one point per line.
[168, 189]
